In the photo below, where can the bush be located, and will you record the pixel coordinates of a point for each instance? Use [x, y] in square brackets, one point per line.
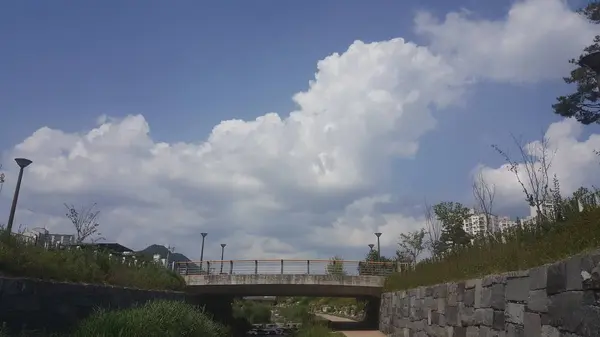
[519, 249]
[154, 319]
[25, 260]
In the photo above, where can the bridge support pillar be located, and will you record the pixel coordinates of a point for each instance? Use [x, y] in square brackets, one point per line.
[371, 319]
[217, 306]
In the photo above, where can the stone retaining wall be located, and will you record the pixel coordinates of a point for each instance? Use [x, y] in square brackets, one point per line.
[56, 306]
[556, 300]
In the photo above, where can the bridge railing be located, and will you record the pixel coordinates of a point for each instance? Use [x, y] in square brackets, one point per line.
[297, 267]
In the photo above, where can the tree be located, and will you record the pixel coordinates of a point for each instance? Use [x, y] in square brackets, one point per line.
[584, 103]
[85, 222]
[376, 264]
[411, 245]
[335, 266]
[452, 215]
[557, 201]
[536, 161]
[484, 194]
[434, 231]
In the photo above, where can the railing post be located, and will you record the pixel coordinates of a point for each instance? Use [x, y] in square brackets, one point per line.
[230, 267]
[308, 267]
[281, 267]
[255, 267]
[207, 267]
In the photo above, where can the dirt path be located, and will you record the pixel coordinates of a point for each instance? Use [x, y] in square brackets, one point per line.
[373, 333]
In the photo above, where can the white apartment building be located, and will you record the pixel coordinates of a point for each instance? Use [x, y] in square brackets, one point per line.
[547, 209]
[476, 223]
[504, 223]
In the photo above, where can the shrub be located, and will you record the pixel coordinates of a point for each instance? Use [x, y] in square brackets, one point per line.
[25, 260]
[154, 319]
[520, 248]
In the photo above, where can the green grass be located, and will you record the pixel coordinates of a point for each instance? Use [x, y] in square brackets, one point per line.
[154, 319]
[522, 249]
[23, 260]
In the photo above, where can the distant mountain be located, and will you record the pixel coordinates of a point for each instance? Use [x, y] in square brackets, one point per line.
[151, 250]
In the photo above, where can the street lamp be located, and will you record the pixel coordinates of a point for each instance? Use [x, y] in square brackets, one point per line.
[592, 62]
[222, 255]
[378, 246]
[202, 249]
[371, 246]
[23, 163]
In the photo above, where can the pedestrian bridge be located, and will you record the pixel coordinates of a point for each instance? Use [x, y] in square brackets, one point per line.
[319, 278]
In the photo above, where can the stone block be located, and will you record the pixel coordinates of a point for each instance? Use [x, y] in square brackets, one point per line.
[478, 290]
[493, 279]
[573, 270]
[486, 298]
[514, 313]
[515, 330]
[472, 331]
[563, 309]
[429, 302]
[556, 278]
[484, 317]
[469, 297]
[537, 277]
[499, 320]
[452, 294]
[467, 315]
[441, 305]
[498, 301]
[460, 291]
[459, 331]
[452, 316]
[470, 284]
[517, 289]
[516, 274]
[537, 301]
[550, 331]
[532, 325]
[428, 291]
[440, 291]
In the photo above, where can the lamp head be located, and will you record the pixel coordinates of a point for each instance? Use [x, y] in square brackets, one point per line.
[23, 162]
[223, 245]
[371, 245]
[204, 234]
[377, 234]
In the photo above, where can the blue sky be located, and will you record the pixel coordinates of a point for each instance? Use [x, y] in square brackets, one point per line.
[188, 65]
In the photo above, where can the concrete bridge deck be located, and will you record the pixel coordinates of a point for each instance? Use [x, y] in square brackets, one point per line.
[287, 277]
[286, 285]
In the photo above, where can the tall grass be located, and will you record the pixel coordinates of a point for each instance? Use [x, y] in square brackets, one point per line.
[20, 259]
[154, 319]
[520, 248]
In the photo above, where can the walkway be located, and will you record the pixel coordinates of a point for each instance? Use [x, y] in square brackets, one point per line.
[371, 333]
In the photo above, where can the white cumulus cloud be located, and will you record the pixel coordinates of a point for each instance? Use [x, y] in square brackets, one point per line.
[303, 182]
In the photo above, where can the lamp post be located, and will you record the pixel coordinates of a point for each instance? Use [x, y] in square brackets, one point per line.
[592, 62]
[371, 247]
[222, 255]
[23, 163]
[202, 249]
[378, 246]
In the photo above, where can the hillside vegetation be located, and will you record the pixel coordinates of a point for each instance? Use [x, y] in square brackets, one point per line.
[517, 249]
[21, 259]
